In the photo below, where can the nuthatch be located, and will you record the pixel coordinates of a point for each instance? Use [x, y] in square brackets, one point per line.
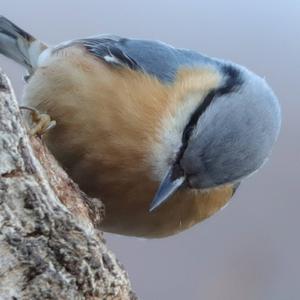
[143, 125]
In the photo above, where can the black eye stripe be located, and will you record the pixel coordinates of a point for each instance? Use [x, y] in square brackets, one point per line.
[232, 83]
[196, 115]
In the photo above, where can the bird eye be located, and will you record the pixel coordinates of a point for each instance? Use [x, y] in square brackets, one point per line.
[186, 134]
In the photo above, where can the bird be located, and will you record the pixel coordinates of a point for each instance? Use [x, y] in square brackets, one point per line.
[162, 135]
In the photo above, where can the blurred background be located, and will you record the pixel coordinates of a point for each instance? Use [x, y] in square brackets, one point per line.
[250, 250]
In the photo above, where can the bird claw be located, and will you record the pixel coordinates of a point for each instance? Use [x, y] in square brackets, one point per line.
[42, 122]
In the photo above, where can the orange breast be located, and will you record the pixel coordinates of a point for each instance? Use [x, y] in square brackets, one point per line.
[107, 122]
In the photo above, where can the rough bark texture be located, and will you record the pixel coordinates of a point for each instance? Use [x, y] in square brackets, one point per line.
[49, 247]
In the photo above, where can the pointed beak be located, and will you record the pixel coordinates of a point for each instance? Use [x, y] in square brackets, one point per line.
[166, 189]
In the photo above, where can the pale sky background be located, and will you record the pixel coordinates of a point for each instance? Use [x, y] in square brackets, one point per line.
[250, 250]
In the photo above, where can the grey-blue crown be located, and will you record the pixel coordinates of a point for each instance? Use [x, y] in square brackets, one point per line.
[233, 137]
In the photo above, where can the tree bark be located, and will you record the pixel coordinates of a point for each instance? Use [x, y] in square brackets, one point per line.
[50, 247]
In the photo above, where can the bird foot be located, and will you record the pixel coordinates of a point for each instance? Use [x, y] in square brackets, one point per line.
[42, 122]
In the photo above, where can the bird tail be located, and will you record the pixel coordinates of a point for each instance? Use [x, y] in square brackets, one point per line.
[19, 45]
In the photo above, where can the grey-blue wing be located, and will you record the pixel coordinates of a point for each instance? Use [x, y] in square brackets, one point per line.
[155, 58]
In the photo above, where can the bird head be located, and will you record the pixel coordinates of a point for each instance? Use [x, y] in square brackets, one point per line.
[228, 136]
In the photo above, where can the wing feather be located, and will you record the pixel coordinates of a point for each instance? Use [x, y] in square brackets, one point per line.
[152, 57]
[109, 50]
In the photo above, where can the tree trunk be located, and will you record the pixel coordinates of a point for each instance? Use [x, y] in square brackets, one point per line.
[50, 247]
